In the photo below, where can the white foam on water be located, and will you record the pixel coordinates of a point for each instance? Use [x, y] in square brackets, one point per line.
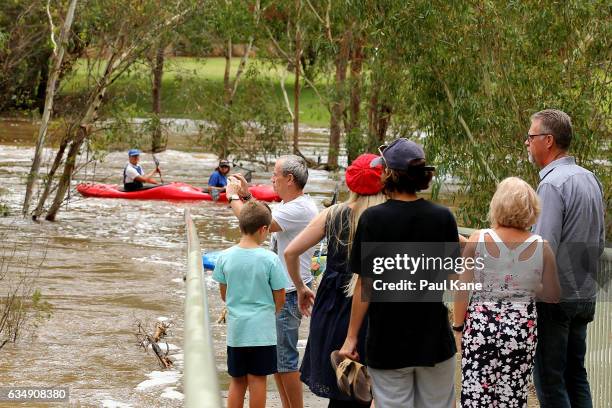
[162, 318]
[172, 393]
[107, 403]
[165, 347]
[157, 260]
[159, 378]
[177, 280]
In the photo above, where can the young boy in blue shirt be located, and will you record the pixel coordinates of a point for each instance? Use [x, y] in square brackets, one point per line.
[252, 284]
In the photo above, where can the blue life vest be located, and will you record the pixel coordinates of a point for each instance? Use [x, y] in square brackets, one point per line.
[134, 185]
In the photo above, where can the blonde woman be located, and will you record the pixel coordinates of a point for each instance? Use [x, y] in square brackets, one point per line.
[497, 332]
[331, 308]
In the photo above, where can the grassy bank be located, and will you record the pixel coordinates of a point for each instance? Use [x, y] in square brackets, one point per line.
[191, 85]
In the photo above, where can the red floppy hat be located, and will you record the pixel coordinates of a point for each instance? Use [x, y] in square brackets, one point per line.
[362, 178]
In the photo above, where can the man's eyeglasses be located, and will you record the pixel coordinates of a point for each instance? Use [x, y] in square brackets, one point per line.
[530, 137]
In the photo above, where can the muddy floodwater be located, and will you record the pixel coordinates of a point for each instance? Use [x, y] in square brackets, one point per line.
[107, 264]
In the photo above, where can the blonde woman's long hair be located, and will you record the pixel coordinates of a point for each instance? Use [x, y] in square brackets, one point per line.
[334, 235]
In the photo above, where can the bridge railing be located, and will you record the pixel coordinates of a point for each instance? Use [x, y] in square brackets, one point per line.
[200, 380]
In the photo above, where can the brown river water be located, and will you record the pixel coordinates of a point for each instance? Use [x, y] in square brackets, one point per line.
[107, 264]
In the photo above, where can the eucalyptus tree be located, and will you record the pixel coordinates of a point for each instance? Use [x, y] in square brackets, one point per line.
[57, 58]
[475, 72]
[121, 33]
[228, 28]
[290, 29]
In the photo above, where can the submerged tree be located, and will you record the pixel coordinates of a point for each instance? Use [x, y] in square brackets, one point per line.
[57, 59]
[21, 305]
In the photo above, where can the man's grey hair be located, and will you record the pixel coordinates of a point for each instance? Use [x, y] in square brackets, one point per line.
[557, 123]
[296, 166]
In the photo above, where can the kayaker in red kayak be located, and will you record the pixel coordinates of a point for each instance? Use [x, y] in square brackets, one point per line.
[133, 174]
[218, 179]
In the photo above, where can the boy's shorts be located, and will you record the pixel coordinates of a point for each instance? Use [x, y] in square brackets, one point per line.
[256, 360]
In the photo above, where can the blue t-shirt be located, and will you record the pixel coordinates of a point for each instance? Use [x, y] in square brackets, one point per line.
[250, 275]
[217, 180]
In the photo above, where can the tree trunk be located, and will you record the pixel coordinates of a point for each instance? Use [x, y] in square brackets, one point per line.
[379, 117]
[354, 142]
[337, 108]
[384, 118]
[41, 90]
[69, 166]
[296, 86]
[227, 101]
[372, 113]
[58, 56]
[83, 131]
[226, 76]
[245, 57]
[157, 143]
[59, 156]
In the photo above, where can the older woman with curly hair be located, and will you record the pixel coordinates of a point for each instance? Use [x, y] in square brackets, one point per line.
[497, 329]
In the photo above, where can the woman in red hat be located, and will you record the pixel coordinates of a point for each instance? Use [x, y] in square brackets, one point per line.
[331, 309]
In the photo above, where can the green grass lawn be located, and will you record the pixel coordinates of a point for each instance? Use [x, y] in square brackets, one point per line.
[191, 83]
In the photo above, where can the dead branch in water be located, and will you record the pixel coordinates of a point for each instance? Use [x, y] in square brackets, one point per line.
[145, 339]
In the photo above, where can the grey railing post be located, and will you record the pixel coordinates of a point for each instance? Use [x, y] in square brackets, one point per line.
[200, 381]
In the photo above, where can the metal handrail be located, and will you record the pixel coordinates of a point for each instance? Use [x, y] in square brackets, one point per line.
[200, 381]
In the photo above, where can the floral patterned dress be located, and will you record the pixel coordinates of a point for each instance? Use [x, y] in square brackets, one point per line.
[500, 335]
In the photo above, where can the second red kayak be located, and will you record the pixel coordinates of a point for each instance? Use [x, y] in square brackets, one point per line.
[170, 191]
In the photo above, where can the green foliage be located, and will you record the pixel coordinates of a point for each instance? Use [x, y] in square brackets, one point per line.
[119, 132]
[3, 40]
[210, 26]
[24, 51]
[493, 64]
[22, 306]
[355, 144]
[466, 75]
[254, 125]
[41, 308]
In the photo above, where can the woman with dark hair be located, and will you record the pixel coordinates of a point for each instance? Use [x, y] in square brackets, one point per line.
[332, 304]
[409, 346]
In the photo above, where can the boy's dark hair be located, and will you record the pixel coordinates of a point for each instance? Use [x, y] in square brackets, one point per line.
[407, 181]
[253, 216]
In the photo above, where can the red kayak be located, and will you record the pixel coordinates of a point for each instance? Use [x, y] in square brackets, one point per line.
[170, 191]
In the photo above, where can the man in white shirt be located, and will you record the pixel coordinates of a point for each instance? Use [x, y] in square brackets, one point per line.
[133, 174]
[289, 218]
